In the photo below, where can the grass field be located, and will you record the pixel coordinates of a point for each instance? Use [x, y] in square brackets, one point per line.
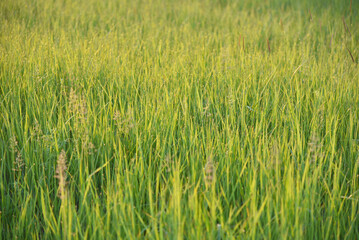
[159, 119]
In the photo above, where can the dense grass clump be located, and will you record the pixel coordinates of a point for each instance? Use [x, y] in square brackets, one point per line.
[160, 119]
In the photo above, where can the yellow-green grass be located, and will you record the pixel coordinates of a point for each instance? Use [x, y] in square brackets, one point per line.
[157, 119]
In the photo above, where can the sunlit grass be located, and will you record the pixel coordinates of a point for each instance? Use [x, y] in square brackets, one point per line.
[179, 119]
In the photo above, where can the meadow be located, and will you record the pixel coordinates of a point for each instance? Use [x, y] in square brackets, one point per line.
[164, 119]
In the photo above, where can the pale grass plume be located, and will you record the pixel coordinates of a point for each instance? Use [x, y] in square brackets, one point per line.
[73, 101]
[36, 130]
[274, 154]
[206, 112]
[79, 112]
[124, 122]
[61, 174]
[209, 172]
[89, 148]
[168, 163]
[231, 99]
[13, 144]
[19, 162]
[77, 105]
[39, 135]
[314, 146]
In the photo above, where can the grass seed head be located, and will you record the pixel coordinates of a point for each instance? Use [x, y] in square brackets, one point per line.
[314, 147]
[36, 130]
[209, 171]
[73, 101]
[61, 174]
[168, 163]
[124, 123]
[19, 163]
[13, 144]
